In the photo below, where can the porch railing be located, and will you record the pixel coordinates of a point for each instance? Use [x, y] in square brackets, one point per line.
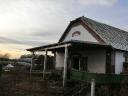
[99, 78]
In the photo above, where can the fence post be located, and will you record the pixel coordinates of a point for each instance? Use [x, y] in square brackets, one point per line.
[93, 87]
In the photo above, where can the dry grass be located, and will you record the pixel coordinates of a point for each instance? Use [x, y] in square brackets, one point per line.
[20, 84]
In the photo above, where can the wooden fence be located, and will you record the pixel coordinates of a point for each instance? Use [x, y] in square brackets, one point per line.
[99, 78]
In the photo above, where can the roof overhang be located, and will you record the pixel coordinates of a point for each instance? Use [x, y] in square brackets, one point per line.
[50, 46]
[73, 44]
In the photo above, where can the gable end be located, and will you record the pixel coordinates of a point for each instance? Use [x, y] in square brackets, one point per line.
[80, 22]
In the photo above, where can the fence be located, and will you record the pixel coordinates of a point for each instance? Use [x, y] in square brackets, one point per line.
[99, 78]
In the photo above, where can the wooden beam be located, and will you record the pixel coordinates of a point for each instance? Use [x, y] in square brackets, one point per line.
[65, 66]
[54, 47]
[45, 62]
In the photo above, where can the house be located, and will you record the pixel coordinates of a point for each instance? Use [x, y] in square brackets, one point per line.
[8, 67]
[89, 46]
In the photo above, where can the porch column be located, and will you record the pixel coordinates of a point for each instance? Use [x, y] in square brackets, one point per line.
[45, 62]
[92, 87]
[32, 62]
[54, 59]
[65, 66]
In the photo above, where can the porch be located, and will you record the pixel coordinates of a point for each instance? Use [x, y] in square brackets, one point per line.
[75, 55]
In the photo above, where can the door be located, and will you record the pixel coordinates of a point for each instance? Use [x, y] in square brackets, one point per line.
[76, 62]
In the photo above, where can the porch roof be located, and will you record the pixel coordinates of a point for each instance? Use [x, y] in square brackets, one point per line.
[69, 43]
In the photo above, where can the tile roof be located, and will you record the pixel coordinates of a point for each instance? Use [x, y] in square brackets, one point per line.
[115, 37]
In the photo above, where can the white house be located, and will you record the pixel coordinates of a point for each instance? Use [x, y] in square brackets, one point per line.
[91, 46]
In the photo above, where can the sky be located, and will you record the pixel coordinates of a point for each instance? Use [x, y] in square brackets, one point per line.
[30, 23]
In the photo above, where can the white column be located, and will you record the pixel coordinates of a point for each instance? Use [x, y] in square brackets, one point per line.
[45, 62]
[54, 59]
[65, 66]
[32, 62]
[92, 87]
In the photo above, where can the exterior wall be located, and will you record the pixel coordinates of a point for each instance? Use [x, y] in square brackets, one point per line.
[84, 34]
[96, 61]
[119, 59]
[59, 60]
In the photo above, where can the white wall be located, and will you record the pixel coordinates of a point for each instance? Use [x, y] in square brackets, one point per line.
[119, 59]
[84, 34]
[96, 61]
[59, 60]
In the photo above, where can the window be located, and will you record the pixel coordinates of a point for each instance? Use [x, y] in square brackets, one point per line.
[75, 34]
[126, 56]
[79, 63]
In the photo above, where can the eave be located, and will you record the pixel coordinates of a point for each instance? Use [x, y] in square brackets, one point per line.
[69, 43]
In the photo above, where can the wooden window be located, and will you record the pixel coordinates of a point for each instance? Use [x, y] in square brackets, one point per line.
[76, 33]
[79, 63]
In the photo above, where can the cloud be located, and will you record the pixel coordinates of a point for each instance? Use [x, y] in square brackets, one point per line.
[30, 16]
[6, 40]
[32, 23]
[98, 2]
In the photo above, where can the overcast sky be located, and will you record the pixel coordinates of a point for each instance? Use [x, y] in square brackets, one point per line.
[29, 23]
